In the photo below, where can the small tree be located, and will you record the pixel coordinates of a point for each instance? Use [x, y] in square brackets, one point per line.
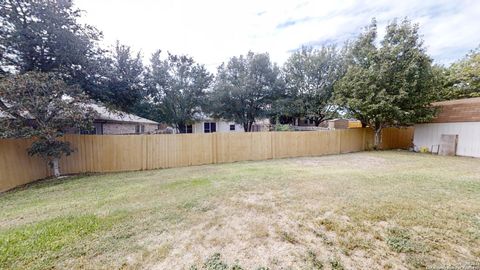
[42, 106]
[390, 85]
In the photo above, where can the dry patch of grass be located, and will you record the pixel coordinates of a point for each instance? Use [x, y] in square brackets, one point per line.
[371, 210]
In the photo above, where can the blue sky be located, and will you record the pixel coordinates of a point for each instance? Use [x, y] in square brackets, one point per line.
[213, 30]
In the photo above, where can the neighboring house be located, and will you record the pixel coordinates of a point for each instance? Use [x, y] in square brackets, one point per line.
[210, 125]
[215, 125]
[354, 123]
[305, 124]
[460, 118]
[111, 122]
[341, 123]
[206, 124]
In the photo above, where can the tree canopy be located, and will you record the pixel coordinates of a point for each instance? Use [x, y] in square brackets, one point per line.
[389, 85]
[310, 75]
[45, 35]
[177, 86]
[463, 77]
[245, 89]
[387, 82]
[124, 83]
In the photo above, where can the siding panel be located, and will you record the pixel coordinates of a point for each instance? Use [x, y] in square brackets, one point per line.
[427, 135]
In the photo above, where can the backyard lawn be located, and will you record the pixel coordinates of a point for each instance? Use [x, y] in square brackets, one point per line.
[370, 210]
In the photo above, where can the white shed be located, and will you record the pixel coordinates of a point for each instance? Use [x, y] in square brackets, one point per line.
[456, 117]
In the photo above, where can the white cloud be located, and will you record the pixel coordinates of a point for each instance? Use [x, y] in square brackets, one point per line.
[213, 30]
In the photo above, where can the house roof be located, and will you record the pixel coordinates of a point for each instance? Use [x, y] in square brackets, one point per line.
[459, 110]
[344, 119]
[118, 116]
[458, 101]
[104, 114]
[202, 117]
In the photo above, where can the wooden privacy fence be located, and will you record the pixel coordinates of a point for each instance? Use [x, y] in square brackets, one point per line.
[114, 153]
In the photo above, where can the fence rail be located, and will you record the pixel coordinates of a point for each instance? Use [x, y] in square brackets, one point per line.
[111, 153]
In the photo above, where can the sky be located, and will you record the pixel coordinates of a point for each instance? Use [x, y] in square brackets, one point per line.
[212, 31]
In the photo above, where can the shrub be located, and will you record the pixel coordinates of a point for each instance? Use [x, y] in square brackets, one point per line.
[281, 127]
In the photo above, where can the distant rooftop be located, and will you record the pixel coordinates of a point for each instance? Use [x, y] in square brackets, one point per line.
[109, 115]
[117, 116]
[457, 101]
[459, 110]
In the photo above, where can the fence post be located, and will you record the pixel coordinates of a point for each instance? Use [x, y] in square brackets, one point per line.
[363, 138]
[146, 153]
[272, 144]
[339, 132]
[214, 148]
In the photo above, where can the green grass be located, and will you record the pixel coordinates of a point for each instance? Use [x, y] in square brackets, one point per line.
[35, 245]
[389, 209]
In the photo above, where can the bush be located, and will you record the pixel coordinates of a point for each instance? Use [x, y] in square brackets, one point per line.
[281, 127]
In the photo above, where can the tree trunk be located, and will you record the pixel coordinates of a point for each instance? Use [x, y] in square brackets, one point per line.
[247, 126]
[55, 167]
[378, 138]
[181, 127]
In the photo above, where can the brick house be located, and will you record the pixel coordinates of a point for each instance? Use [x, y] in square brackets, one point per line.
[459, 118]
[111, 122]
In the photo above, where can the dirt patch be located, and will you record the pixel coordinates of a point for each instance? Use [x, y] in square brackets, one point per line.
[254, 230]
[347, 160]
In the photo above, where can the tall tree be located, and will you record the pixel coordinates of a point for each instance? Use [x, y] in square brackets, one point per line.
[463, 79]
[124, 86]
[45, 35]
[177, 85]
[245, 89]
[310, 75]
[42, 106]
[389, 85]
